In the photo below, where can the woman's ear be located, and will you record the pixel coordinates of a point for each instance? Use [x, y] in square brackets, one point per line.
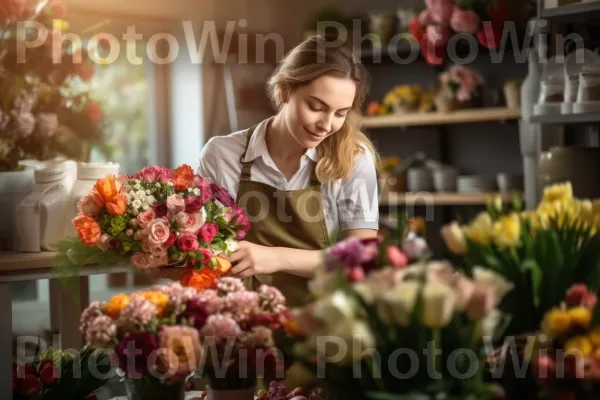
[286, 92]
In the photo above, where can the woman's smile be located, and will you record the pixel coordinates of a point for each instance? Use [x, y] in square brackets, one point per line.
[314, 136]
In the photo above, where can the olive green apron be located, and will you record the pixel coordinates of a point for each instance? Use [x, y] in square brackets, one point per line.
[283, 218]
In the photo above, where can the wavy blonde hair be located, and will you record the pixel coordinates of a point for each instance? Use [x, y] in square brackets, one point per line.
[314, 57]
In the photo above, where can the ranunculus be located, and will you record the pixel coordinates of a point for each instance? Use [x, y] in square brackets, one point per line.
[160, 210]
[200, 280]
[180, 351]
[208, 232]
[464, 21]
[206, 253]
[195, 221]
[193, 204]
[140, 260]
[221, 194]
[195, 313]
[158, 251]
[134, 351]
[181, 218]
[149, 174]
[89, 231]
[171, 240]
[175, 203]
[104, 242]
[187, 242]
[165, 175]
[145, 217]
[206, 192]
[89, 206]
[184, 175]
[159, 231]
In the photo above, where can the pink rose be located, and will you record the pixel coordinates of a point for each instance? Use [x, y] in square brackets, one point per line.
[208, 232]
[181, 218]
[206, 192]
[140, 260]
[104, 242]
[145, 217]
[187, 242]
[159, 231]
[175, 203]
[193, 204]
[88, 206]
[165, 175]
[158, 251]
[146, 246]
[157, 262]
[149, 174]
[207, 254]
[160, 210]
[171, 240]
[194, 222]
[240, 221]
[464, 21]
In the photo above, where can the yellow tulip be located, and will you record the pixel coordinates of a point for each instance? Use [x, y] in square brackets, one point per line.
[578, 346]
[557, 322]
[480, 230]
[561, 191]
[595, 338]
[454, 238]
[507, 231]
[580, 316]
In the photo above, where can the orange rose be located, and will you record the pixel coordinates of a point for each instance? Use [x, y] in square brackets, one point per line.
[89, 231]
[159, 299]
[114, 307]
[108, 193]
[223, 265]
[200, 280]
[184, 175]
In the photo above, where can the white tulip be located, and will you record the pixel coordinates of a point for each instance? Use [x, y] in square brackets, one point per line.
[486, 276]
[334, 309]
[438, 304]
[396, 306]
[323, 283]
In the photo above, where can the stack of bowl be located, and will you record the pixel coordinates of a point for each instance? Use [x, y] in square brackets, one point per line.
[419, 179]
[509, 182]
[476, 184]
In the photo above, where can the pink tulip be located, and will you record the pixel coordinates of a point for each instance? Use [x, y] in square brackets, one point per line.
[441, 10]
[437, 35]
[464, 21]
[425, 18]
[482, 301]
[395, 257]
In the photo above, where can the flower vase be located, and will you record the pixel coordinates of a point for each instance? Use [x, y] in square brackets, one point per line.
[149, 388]
[230, 394]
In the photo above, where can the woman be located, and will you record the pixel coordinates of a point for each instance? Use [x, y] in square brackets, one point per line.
[304, 174]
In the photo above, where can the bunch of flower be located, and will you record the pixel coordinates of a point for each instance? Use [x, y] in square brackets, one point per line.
[400, 307]
[45, 104]
[441, 19]
[159, 217]
[566, 352]
[463, 82]
[542, 252]
[176, 329]
[52, 375]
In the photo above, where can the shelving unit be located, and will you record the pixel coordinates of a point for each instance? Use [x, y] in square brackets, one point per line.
[441, 199]
[436, 118]
[562, 119]
[572, 12]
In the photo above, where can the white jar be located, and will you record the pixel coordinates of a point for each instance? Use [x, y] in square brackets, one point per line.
[87, 176]
[41, 215]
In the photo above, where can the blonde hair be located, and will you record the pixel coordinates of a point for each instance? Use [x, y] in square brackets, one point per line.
[309, 60]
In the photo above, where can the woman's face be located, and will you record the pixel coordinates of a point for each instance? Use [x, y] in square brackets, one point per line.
[318, 110]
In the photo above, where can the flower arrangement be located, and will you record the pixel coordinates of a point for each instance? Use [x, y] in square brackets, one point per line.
[542, 252]
[155, 218]
[176, 330]
[402, 99]
[369, 314]
[52, 376]
[441, 19]
[45, 106]
[565, 352]
[463, 82]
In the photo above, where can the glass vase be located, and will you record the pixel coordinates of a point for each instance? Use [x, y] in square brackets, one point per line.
[148, 388]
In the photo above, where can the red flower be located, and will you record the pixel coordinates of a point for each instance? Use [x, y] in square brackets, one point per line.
[416, 29]
[133, 352]
[160, 210]
[30, 386]
[48, 373]
[195, 313]
[171, 240]
[208, 232]
[395, 257]
[489, 35]
[193, 204]
[184, 176]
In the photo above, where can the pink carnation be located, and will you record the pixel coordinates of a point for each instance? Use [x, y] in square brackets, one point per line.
[165, 175]
[208, 232]
[271, 299]
[101, 332]
[240, 221]
[205, 191]
[145, 217]
[220, 327]
[228, 285]
[149, 174]
[138, 312]
[187, 242]
[93, 311]
[259, 337]
[242, 305]
[211, 300]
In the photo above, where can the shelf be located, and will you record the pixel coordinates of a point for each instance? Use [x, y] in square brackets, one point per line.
[573, 12]
[567, 118]
[441, 199]
[438, 118]
[14, 261]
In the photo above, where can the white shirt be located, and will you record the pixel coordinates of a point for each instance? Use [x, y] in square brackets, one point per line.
[353, 204]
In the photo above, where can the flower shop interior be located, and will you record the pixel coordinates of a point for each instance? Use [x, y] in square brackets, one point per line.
[475, 108]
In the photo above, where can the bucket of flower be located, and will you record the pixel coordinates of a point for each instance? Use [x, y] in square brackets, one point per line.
[57, 375]
[565, 352]
[542, 253]
[397, 331]
[156, 218]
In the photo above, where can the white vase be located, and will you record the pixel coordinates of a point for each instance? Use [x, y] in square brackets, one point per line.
[531, 85]
[234, 394]
[14, 186]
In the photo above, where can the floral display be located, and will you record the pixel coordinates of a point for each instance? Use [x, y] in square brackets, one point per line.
[402, 99]
[543, 252]
[160, 217]
[46, 109]
[565, 354]
[375, 298]
[464, 83]
[165, 333]
[53, 376]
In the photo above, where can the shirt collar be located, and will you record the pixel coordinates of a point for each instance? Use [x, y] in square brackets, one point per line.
[258, 146]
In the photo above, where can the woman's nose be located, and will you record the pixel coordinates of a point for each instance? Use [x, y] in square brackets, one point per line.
[325, 122]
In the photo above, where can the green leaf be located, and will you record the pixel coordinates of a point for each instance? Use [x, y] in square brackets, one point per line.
[536, 279]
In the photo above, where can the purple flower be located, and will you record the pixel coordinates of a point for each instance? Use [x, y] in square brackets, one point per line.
[242, 305]
[220, 327]
[195, 313]
[138, 312]
[88, 316]
[211, 300]
[350, 253]
[47, 124]
[221, 194]
[133, 352]
[101, 331]
[193, 204]
[23, 124]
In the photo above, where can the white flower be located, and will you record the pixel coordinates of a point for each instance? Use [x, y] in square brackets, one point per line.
[396, 306]
[141, 194]
[148, 192]
[197, 191]
[323, 283]
[334, 309]
[157, 184]
[488, 277]
[136, 204]
[151, 200]
[170, 183]
[190, 190]
[438, 304]
[145, 206]
[232, 244]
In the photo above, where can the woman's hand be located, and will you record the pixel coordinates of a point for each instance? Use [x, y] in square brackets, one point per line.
[252, 259]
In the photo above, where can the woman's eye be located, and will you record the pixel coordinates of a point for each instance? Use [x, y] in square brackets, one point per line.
[341, 115]
[313, 107]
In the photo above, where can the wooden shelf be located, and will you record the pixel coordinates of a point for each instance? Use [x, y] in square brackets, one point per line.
[438, 118]
[441, 199]
[585, 118]
[13, 261]
[573, 12]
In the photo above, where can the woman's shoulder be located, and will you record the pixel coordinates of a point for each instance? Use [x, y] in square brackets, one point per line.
[229, 145]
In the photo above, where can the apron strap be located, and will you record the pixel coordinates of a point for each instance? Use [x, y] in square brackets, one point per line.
[247, 165]
[314, 181]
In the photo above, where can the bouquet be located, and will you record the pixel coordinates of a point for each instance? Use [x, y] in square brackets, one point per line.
[462, 82]
[376, 324]
[566, 351]
[541, 252]
[156, 218]
[56, 375]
